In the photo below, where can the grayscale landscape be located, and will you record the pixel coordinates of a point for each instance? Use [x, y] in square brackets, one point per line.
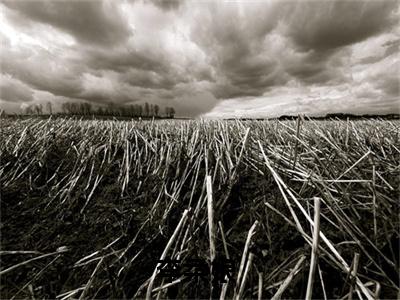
[199, 149]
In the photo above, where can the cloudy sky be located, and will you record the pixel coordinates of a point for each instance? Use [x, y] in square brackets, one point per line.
[205, 58]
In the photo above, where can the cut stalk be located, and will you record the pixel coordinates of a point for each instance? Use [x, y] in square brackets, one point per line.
[374, 201]
[246, 272]
[280, 182]
[315, 244]
[353, 274]
[211, 229]
[260, 285]
[89, 283]
[210, 211]
[288, 279]
[3, 272]
[164, 254]
[244, 256]
[225, 284]
[298, 124]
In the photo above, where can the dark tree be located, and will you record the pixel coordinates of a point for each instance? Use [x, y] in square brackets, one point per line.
[172, 111]
[140, 110]
[111, 109]
[74, 107]
[87, 108]
[29, 110]
[151, 110]
[167, 112]
[132, 111]
[81, 109]
[146, 109]
[100, 111]
[156, 110]
[38, 109]
[49, 108]
[65, 107]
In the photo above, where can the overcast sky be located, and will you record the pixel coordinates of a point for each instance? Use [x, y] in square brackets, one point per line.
[205, 58]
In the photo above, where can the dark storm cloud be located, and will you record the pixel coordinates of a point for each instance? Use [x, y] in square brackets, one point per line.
[390, 85]
[148, 79]
[239, 41]
[319, 33]
[249, 76]
[167, 4]
[121, 60]
[370, 59]
[194, 54]
[233, 40]
[12, 90]
[318, 67]
[92, 22]
[143, 68]
[391, 48]
[35, 72]
[251, 71]
[332, 24]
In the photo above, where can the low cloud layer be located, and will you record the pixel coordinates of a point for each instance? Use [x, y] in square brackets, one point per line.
[217, 59]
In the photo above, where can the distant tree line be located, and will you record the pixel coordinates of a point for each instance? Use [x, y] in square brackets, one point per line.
[366, 116]
[344, 116]
[111, 110]
[34, 109]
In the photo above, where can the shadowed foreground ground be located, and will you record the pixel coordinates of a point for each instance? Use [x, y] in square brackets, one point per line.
[88, 207]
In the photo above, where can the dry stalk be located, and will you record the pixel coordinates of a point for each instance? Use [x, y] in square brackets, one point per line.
[260, 285]
[343, 263]
[89, 283]
[353, 274]
[288, 279]
[210, 211]
[164, 254]
[246, 272]
[244, 256]
[3, 272]
[225, 284]
[314, 254]
[298, 124]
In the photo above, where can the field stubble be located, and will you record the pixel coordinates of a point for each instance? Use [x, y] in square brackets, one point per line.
[88, 207]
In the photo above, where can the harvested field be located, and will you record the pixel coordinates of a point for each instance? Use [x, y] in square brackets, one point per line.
[88, 207]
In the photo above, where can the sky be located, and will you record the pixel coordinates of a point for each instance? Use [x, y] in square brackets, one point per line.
[217, 59]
